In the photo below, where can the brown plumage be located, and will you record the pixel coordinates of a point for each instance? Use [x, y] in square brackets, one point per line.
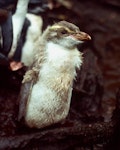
[49, 81]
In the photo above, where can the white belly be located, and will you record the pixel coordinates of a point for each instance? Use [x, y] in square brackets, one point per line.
[32, 37]
[46, 107]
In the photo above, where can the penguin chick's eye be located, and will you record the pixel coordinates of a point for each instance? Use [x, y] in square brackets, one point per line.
[64, 32]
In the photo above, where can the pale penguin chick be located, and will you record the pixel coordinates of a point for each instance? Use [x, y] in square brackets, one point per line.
[47, 87]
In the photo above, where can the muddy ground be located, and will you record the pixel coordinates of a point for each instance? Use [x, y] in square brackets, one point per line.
[93, 120]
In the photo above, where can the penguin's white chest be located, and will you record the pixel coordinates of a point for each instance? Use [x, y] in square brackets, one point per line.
[32, 37]
[50, 97]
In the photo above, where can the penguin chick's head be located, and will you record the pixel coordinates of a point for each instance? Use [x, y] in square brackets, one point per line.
[66, 34]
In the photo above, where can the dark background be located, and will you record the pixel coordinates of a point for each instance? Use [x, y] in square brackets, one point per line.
[93, 121]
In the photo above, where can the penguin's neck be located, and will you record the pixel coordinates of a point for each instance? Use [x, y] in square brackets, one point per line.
[60, 65]
[62, 56]
[56, 50]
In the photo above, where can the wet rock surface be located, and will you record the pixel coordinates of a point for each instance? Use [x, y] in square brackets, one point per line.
[93, 121]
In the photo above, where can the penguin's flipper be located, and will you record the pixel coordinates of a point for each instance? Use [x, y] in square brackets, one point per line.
[4, 60]
[23, 99]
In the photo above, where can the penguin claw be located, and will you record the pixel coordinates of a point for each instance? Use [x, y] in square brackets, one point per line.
[14, 65]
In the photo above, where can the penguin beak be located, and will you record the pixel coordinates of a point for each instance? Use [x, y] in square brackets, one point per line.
[82, 36]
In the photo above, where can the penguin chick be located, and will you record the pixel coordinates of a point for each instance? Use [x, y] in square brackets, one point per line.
[47, 87]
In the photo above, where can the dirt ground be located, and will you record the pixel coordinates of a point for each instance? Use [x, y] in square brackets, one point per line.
[93, 120]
